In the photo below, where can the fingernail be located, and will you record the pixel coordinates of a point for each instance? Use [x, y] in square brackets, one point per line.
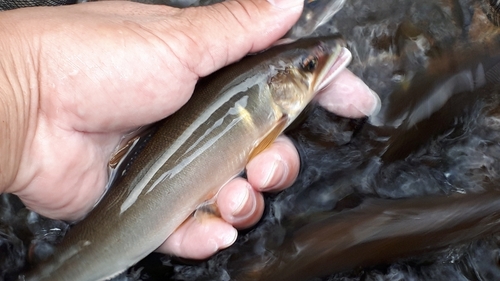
[239, 201]
[276, 173]
[286, 4]
[368, 107]
[228, 238]
[374, 119]
[214, 245]
[377, 104]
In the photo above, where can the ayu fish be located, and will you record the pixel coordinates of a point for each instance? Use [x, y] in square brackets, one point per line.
[233, 115]
[433, 105]
[377, 231]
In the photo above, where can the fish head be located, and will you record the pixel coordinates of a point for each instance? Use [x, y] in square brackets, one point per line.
[308, 66]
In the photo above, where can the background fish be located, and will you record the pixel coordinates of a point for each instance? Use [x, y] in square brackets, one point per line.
[377, 231]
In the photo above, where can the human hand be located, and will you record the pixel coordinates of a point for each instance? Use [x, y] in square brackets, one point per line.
[79, 77]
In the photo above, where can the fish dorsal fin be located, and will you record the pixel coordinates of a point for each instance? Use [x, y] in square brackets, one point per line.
[269, 137]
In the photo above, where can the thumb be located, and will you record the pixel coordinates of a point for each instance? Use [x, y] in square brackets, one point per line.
[225, 32]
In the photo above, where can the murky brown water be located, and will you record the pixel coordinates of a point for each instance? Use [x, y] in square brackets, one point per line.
[438, 134]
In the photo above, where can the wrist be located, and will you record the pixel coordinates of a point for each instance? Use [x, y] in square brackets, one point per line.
[17, 105]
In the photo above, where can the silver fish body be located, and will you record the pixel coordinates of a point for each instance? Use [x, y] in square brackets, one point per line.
[232, 115]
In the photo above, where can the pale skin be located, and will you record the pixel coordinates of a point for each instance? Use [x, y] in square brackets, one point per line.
[75, 79]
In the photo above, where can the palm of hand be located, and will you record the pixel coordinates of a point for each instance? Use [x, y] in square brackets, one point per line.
[89, 96]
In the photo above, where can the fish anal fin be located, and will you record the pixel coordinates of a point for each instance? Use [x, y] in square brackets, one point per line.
[270, 137]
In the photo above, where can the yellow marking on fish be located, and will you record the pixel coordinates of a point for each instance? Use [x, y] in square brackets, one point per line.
[245, 115]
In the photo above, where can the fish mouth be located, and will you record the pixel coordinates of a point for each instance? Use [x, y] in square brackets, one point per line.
[339, 60]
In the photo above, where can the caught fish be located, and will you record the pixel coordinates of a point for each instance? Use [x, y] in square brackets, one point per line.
[233, 114]
[378, 231]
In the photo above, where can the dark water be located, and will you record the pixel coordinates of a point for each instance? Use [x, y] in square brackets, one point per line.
[408, 52]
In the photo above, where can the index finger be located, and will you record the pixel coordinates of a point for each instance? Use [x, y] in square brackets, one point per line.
[347, 95]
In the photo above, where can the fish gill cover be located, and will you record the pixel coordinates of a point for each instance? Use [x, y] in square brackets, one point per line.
[438, 134]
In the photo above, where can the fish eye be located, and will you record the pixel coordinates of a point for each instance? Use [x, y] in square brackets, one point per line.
[309, 63]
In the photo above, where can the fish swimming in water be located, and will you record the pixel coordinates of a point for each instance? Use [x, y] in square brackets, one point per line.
[378, 231]
[233, 115]
[434, 104]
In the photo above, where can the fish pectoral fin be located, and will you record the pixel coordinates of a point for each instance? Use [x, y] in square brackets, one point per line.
[121, 152]
[275, 131]
[208, 209]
